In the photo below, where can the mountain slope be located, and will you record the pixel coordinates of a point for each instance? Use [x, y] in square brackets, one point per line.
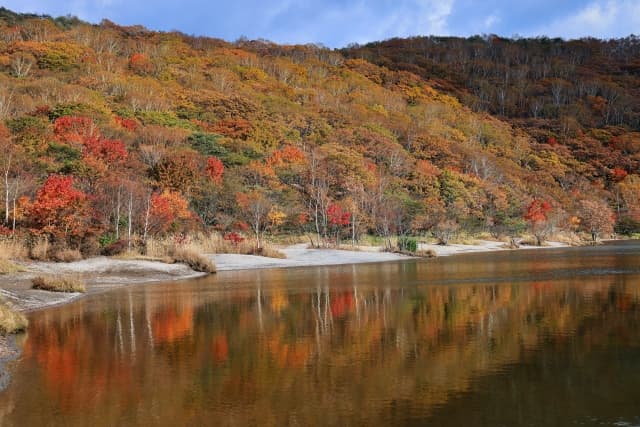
[154, 133]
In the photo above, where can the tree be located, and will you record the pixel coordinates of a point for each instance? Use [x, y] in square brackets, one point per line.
[338, 219]
[215, 169]
[255, 207]
[597, 218]
[537, 215]
[60, 210]
[164, 210]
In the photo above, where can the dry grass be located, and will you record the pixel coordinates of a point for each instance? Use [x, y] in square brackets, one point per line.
[59, 284]
[11, 321]
[13, 249]
[208, 244]
[268, 251]
[8, 267]
[193, 259]
[134, 255]
[569, 238]
[426, 253]
[40, 250]
[67, 255]
[421, 253]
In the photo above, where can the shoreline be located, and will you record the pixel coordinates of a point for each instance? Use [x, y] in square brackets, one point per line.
[104, 273]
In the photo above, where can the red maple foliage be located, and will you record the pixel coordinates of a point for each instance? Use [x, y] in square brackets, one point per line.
[234, 238]
[59, 209]
[215, 169]
[108, 150]
[141, 64]
[537, 211]
[336, 216]
[618, 174]
[128, 124]
[166, 208]
[74, 128]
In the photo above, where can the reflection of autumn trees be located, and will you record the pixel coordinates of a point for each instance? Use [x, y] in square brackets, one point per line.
[171, 323]
[330, 354]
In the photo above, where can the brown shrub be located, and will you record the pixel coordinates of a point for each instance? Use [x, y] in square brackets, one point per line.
[267, 251]
[426, 253]
[8, 267]
[116, 248]
[11, 321]
[40, 250]
[67, 255]
[58, 284]
[13, 249]
[193, 259]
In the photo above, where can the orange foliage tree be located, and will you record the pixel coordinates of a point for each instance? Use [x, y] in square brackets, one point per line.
[60, 210]
[215, 169]
[537, 215]
[164, 211]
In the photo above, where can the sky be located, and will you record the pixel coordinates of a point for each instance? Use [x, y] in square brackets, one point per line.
[337, 23]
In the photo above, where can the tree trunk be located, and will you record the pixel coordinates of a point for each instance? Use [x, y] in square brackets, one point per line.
[146, 220]
[118, 202]
[6, 194]
[129, 220]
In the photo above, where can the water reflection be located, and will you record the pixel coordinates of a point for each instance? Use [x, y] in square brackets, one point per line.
[405, 343]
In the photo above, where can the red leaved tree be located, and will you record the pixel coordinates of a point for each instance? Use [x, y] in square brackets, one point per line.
[60, 210]
[338, 219]
[537, 215]
[164, 210]
[215, 169]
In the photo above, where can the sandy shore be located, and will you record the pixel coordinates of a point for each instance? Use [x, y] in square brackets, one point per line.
[102, 273]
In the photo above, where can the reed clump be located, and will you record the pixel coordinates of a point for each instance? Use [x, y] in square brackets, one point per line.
[58, 284]
[193, 259]
[11, 321]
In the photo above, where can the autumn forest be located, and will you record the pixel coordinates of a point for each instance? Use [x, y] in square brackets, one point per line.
[110, 135]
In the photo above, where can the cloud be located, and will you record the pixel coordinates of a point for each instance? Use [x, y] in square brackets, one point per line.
[337, 23]
[90, 10]
[332, 22]
[603, 19]
[491, 20]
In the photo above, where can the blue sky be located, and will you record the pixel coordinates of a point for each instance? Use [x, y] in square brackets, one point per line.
[336, 23]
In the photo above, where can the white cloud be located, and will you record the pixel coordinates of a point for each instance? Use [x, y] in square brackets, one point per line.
[362, 22]
[91, 10]
[491, 20]
[600, 18]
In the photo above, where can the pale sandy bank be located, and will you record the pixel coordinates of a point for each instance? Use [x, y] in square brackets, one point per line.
[104, 273]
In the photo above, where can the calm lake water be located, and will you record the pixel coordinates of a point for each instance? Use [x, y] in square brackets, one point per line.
[500, 339]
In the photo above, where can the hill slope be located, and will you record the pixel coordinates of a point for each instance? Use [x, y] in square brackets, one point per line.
[114, 131]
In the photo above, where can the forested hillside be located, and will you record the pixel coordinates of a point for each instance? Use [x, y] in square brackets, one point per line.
[119, 133]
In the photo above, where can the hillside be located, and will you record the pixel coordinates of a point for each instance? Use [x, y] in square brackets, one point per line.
[114, 133]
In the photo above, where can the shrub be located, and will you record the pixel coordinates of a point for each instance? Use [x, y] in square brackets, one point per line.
[58, 284]
[67, 255]
[40, 250]
[13, 249]
[193, 259]
[115, 248]
[8, 267]
[11, 321]
[407, 244]
[426, 253]
[268, 251]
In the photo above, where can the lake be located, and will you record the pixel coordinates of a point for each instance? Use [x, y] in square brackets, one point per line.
[531, 337]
